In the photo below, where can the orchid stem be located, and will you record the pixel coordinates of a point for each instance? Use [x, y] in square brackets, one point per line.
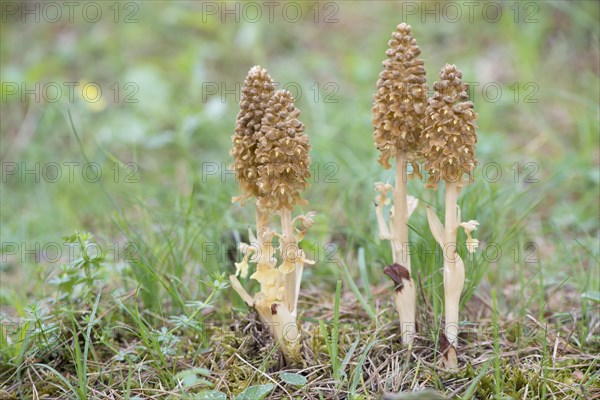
[400, 226]
[288, 246]
[262, 225]
[400, 272]
[453, 273]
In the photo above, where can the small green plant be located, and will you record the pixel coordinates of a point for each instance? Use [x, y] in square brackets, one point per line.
[292, 378]
[332, 337]
[81, 357]
[41, 327]
[195, 319]
[256, 392]
[77, 279]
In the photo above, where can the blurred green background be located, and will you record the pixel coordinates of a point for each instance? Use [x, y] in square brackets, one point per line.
[170, 75]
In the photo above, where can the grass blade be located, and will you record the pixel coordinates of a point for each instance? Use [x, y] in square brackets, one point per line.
[350, 281]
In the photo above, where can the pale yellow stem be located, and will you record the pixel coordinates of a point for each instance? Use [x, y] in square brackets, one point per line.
[450, 223]
[454, 274]
[283, 326]
[262, 225]
[400, 227]
[290, 254]
[405, 296]
[237, 286]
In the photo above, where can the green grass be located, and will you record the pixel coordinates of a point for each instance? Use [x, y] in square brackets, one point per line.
[154, 306]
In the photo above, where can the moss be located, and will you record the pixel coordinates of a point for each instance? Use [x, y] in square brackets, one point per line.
[251, 343]
[517, 379]
[7, 396]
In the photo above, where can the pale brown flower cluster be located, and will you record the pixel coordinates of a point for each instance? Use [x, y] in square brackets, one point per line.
[282, 155]
[401, 98]
[256, 93]
[271, 160]
[270, 150]
[449, 136]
